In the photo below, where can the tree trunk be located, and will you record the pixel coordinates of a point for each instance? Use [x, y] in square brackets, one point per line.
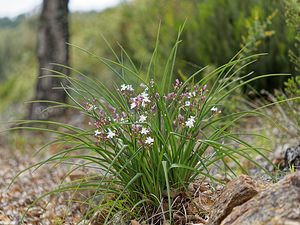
[53, 35]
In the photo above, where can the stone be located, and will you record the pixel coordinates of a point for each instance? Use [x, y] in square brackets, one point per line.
[235, 193]
[278, 204]
[292, 158]
[134, 222]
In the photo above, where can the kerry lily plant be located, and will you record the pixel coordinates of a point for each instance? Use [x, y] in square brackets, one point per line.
[149, 139]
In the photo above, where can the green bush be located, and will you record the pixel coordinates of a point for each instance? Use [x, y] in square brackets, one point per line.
[289, 109]
[213, 34]
[293, 20]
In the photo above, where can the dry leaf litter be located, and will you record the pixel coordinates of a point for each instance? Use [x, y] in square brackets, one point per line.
[30, 186]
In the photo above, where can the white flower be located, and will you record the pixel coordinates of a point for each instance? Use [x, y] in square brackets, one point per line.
[214, 109]
[187, 103]
[190, 95]
[142, 118]
[190, 122]
[144, 95]
[110, 134]
[145, 99]
[192, 118]
[133, 105]
[123, 87]
[97, 132]
[126, 87]
[129, 88]
[149, 140]
[144, 131]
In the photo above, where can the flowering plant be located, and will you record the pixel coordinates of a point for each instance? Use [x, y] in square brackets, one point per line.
[156, 137]
[149, 139]
[134, 120]
[155, 127]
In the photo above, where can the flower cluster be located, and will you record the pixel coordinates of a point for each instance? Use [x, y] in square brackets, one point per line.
[189, 103]
[133, 119]
[89, 106]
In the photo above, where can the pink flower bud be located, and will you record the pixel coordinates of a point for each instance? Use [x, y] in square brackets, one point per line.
[171, 95]
[180, 117]
[139, 142]
[152, 109]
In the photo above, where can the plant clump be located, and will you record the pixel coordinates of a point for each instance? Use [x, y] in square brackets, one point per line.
[147, 140]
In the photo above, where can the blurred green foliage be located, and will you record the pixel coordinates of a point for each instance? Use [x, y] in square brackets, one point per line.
[18, 66]
[6, 22]
[213, 34]
[292, 86]
[293, 20]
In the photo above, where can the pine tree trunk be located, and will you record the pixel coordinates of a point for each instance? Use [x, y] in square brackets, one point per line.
[53, 35]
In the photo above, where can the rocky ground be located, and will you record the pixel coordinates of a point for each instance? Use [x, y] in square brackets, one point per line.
[245, 200]
[27, 188]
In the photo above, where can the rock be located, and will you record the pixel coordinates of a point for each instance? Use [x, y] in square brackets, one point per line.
[35, 211]
[235, 193]
[5, 220]
[292, 157]
[278, 204]
[118, 218]
[77, 175]
[134, 222]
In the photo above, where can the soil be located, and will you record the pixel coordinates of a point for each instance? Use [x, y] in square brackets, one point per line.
[25, 189]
